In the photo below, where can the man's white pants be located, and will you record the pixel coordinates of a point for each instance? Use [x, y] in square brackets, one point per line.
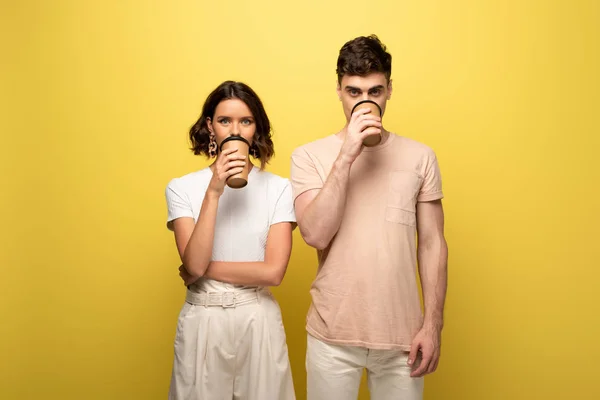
[232, 351]
[334, 373]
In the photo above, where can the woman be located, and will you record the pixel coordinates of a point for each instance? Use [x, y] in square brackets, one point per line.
[234, 244]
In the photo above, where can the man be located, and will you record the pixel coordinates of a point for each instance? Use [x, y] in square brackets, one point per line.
[362, 208]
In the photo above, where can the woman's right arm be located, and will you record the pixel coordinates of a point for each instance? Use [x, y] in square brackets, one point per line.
[195, 241]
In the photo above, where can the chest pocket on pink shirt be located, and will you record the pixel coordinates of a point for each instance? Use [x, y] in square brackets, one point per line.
[402, 194]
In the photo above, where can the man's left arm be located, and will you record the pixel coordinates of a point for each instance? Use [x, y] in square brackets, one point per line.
[432, 254]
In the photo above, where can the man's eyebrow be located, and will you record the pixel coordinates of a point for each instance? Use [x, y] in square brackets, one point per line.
[359, 90]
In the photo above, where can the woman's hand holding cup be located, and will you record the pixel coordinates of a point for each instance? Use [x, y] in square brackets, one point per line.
[228, 163]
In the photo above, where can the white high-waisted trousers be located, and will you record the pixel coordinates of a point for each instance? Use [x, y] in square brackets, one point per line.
[229, 346]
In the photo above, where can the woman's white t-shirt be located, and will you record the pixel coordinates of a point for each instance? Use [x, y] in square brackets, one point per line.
[244, 215]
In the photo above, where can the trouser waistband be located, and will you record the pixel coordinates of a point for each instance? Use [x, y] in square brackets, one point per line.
[223, 299]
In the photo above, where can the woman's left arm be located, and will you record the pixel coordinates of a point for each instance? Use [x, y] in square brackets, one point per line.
[269, 272]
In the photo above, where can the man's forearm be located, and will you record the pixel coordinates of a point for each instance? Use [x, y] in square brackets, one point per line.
[433, 270]
[323, 216]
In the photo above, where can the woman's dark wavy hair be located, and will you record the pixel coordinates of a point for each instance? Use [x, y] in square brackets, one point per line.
[262, 144]
[362, 56]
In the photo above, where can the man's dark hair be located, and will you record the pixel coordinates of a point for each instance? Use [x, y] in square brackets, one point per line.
[362, 56]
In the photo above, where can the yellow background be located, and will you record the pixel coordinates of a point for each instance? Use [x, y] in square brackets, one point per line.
[97, 97]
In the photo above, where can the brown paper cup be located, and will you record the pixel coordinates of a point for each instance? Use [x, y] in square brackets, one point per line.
[240, 180]
[374, 139]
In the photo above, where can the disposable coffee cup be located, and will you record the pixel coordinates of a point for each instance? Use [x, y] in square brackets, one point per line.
[373, 139]
[240, 180]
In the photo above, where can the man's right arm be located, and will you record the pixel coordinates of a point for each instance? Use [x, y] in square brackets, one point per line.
[319, 211]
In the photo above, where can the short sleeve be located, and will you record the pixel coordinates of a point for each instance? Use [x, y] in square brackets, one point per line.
[178, 205]
[432, 183]
[304, 174]
[284, 207]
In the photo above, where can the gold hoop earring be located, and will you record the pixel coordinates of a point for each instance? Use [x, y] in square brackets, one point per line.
[212, 147]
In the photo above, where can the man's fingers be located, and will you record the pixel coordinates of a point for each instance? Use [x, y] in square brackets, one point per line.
[414, 350]
[370, 131]
[434, 364]
[423, 366]
[426, 358]
[359, 112]
[364, 121]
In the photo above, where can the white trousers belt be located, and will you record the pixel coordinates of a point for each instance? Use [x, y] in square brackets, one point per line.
[222, 299]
